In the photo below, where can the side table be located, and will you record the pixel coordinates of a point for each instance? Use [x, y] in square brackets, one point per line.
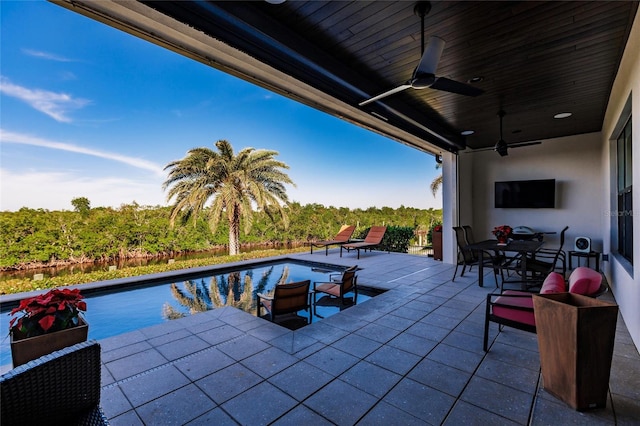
[590, 255]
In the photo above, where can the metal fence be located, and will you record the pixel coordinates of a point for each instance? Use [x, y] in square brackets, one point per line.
[421, 250]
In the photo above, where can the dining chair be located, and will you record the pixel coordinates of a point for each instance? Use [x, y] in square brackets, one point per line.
[287, 299]
[469, 258]
[498, 258]
[544, 261]
[553, 256]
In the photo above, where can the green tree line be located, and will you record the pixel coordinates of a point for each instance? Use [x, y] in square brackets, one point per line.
[43, 237]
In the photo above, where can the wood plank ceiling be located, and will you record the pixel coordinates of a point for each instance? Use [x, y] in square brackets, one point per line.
[534, 59]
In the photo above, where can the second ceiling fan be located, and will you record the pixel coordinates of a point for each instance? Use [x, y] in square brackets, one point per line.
[424, 75]
[501, 147]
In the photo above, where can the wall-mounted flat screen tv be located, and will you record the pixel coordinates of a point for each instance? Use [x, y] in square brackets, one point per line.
[526, 194]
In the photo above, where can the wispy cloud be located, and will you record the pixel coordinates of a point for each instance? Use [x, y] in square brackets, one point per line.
[47, 55]
[18, 138]
[68, 75]
[55, 105]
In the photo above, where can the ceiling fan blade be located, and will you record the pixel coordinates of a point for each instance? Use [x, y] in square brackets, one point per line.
[385, 94]
[447, 85]
[489, 148]
[430, 56]
[521, 144]
[511, 145]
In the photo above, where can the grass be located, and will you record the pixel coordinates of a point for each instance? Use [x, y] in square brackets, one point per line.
[19, 285]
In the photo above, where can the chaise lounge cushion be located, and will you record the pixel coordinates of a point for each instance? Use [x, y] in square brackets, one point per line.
[584, 281]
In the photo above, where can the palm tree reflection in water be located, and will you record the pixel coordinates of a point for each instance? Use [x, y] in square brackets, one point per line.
[231, 290]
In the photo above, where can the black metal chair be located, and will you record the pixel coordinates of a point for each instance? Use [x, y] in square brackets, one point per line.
[538, 265]
[468, 258]
[545, 260]
[61, 388]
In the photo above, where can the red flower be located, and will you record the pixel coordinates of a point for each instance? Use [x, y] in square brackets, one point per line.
[437, 228]
[502, 231]
[47, 322]
[53, 311]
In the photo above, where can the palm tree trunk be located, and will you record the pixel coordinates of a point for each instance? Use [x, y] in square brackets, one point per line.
[234, 231]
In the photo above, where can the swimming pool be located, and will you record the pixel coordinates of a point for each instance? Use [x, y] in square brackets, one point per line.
[115, 311]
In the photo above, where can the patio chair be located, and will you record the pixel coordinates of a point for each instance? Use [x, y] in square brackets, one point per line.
[468, 258]
[287, 299]
[547, 258]
[337, 288]
[497, 258]
[346, 231]
[373, 239]
[514, 308]
[544, 262]
[62, 387]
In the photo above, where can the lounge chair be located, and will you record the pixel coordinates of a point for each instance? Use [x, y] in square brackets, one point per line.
[343, 237]
[373, 239]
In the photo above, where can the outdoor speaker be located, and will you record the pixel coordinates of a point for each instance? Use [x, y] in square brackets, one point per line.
[582, 244]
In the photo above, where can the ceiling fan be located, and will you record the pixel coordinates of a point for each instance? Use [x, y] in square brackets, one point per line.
[424, 74]
[501, 146]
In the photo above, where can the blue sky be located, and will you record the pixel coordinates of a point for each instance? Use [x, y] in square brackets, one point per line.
[89, 111]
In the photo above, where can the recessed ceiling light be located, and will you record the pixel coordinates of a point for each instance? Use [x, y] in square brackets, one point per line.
[476, 79]
[563, 115]
[467, 132]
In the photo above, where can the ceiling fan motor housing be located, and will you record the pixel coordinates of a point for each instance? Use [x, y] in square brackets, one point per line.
[502, 148]
[422, 81]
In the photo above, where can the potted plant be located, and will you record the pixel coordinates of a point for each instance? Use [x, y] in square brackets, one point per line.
[436, 242]
[46, 323]
[502, 233]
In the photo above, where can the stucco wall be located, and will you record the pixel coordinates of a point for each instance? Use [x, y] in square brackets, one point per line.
[624, 277]
[574, 162]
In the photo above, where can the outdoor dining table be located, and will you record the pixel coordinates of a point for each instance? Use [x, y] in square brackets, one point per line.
[521, 247]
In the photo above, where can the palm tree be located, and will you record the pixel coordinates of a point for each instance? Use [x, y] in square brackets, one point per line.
[234, 183]
[436, 183]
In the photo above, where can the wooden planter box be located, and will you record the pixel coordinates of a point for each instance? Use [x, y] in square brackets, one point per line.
[27, 349]
[575, 337]
[437, 244]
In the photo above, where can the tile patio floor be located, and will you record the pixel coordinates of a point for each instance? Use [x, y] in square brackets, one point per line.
[412, 355]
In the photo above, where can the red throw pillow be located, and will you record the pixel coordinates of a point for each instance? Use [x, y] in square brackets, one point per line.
[554, 283]
[584, 281]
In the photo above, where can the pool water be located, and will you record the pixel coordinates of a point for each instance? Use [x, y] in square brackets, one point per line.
[113, 312]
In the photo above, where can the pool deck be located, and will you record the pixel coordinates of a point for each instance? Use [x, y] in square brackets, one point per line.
[412, 355]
